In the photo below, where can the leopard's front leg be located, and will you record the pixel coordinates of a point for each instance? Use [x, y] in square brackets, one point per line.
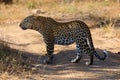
[50, 50]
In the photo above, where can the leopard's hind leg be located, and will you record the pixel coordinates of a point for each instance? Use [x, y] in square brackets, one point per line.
[83, 47]
[79, 54]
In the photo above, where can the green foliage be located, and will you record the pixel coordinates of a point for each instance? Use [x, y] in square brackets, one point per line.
[31, 5]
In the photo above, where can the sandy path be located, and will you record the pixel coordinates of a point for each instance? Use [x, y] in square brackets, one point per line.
[31, 41]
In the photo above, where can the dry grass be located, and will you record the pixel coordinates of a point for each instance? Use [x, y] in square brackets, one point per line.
[110, 31]
[12, 63]
[16, 11]
[11, 12]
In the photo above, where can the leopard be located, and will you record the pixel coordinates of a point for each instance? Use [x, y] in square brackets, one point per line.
[63, 33]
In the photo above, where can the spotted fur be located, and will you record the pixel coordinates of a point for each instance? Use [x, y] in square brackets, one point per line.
[63, 34]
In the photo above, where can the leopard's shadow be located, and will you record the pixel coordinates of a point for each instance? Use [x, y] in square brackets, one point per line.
[65, 57]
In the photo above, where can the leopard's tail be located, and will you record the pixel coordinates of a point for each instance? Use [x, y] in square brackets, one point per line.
[101, 58]
[96, 54]
[90, 43]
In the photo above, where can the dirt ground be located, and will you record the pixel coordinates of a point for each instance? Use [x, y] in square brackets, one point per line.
[62, 69]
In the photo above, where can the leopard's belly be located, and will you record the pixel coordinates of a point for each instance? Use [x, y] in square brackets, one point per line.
[65, 39]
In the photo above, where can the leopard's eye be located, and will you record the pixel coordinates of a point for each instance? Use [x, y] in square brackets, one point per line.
[26, 20]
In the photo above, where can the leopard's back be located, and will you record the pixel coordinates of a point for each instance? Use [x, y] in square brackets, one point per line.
[67, 33]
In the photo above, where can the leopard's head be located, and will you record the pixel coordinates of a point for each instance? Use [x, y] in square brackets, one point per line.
[29, 22]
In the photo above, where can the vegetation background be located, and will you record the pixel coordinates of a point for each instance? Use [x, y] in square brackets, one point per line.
[22, 52]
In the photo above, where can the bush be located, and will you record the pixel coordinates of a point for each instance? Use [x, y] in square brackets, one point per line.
[6, 1]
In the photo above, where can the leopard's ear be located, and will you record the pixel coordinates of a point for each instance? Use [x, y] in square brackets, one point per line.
[35, 16]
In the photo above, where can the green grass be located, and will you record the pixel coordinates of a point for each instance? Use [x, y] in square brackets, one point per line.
[31, 5]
